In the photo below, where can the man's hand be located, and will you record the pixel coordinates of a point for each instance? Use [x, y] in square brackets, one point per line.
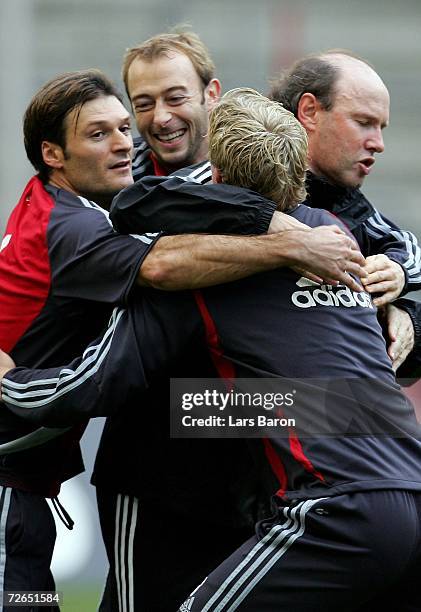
[327, 254]
[385, 277]
[6, 364]
[401, 334]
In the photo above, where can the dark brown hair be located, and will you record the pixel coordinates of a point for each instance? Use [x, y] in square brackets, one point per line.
[45, 116]
[316, 74]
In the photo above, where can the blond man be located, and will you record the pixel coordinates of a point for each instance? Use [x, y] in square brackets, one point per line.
[308, 555]
[258, 145]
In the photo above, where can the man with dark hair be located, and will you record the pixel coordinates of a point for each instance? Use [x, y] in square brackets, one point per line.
[344, 106]
[51, 105]
[315, 73]
[342, 472]
[62, 267]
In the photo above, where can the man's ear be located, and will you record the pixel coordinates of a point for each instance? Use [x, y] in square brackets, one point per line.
[216, 175]
[52, 154]
[308, 111]
[212, 93]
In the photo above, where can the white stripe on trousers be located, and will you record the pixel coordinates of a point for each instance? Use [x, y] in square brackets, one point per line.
[260, 559]
[5, 493]
[125, 526]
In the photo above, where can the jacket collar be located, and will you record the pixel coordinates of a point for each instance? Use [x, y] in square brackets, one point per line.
[347, 203]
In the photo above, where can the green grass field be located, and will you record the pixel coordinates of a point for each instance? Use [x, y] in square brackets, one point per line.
[80, 599]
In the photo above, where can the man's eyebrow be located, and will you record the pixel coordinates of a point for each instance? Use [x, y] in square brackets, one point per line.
[365, 114]
[176, 88]
[104, 122]
[166, 92]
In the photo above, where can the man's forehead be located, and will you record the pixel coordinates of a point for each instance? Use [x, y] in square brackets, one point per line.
[358, 86]
[167, 71]
[101, 109]
[357, 77]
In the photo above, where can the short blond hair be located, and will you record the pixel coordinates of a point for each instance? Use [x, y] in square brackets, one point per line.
[255, 143]
[179, 41]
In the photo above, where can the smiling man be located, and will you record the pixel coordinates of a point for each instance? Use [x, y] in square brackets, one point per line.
[171, 101]
[170, 80]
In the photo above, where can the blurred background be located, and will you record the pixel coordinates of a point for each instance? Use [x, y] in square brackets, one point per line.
[250, 42]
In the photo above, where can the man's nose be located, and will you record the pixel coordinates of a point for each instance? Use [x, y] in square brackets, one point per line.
[376, 143]
[122, 141]
[162, 114]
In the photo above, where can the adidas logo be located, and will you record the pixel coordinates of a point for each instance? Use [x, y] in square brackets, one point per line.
[326, 295]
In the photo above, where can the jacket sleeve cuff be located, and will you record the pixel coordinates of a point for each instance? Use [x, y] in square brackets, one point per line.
[265, 217]
[413, 308]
